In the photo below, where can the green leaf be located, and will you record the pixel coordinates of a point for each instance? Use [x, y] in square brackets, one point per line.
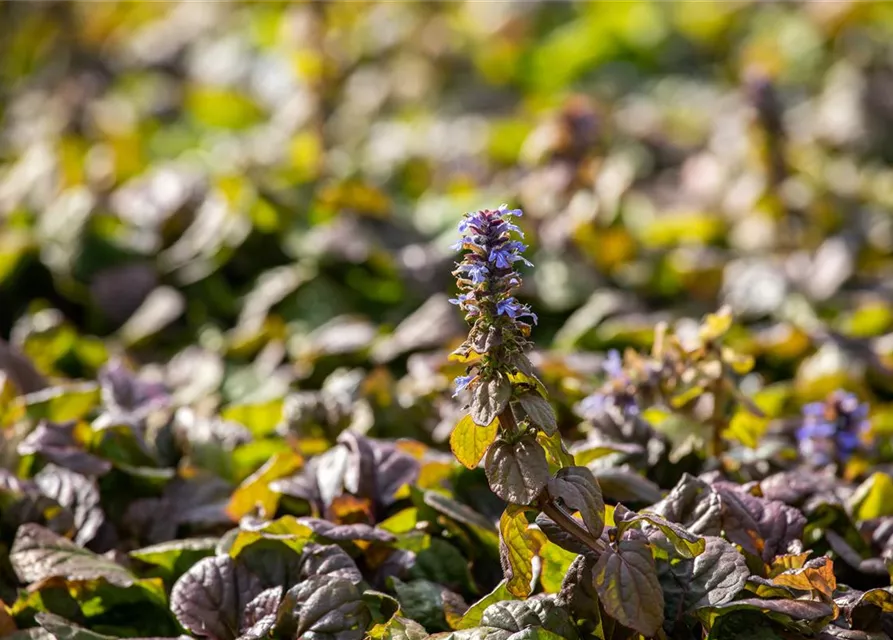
[578, 489]
[472, 616]
[62, 629]
[518, 472]
[398, 628]
[470, 442]
[489, 398]
[220, 107]
[176, 556]
[422, 600]
[556, 564]
[518, 545]
[628, 588]
[254, 494]
[747, 428]
[687, 544]
[382, 606]
[260, 418]
[540, 412]
[556, 455]
[71, 401]
[438, 561]
[873, 498]
[37, 553]
[716, 325]
[286, 530]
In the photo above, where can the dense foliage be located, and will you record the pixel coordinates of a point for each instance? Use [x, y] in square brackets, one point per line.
[237, 396]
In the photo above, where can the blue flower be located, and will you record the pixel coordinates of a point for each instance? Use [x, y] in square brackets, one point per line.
[504, 226]
[592, 406]
[502, 257]
[507, 254]
[504, 209]
[477, 273]
[814, 409]
[596, 404]
[613, 364]
[821, 429]
[833, 430]
[461, 383]
[465, 301]
[514, 309]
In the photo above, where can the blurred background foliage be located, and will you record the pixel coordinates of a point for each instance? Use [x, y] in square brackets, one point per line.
[258, 194]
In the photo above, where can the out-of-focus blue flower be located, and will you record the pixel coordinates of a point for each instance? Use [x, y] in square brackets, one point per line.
[833, 430]
[613, 364]
[595, 405]
[591, 407]
[616, 392]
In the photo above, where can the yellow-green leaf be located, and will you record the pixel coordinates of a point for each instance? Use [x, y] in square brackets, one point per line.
[260, 418]
[873, 498]
[740, 363]
[747, 428]
[716, 325]
[684, 397]
[286, 530]
[470, 441]
[472, 617]
[63, 403]
[556, 562]
[254, 494]
[518, 544]
[556, 454]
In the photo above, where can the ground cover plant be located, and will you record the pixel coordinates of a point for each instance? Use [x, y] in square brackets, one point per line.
[238, 399]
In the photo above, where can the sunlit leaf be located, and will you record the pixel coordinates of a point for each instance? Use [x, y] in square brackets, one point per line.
[470, 441]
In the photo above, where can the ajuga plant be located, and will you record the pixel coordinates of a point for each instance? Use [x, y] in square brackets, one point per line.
[834, 431]
[679, 374]
[511, 426]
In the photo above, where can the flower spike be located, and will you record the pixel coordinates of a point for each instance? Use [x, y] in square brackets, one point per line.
[487, 281]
